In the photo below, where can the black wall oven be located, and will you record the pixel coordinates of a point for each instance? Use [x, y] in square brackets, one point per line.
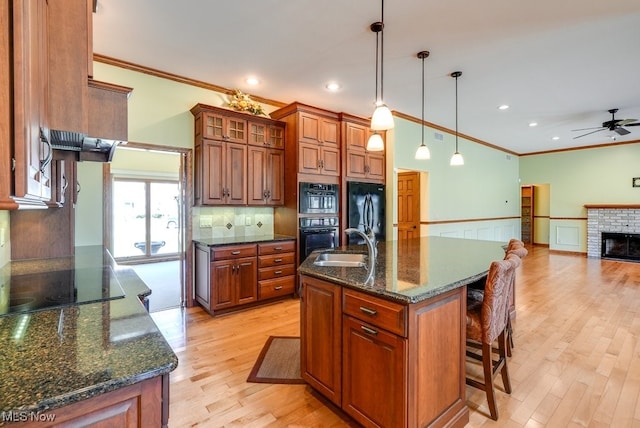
[318, 233]
[318, 198]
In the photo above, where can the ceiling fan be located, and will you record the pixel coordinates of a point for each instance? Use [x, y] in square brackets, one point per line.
[615, 125]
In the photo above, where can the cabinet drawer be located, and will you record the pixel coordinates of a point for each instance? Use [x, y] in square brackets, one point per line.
[277, 247]
[379, 312]
[276, 272]
[221, 253]
[276, 287]
[276, 260]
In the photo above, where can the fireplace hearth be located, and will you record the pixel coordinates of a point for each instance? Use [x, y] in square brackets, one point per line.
[621, 246]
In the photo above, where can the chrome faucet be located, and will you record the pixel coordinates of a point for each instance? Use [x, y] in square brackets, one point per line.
[371, 250]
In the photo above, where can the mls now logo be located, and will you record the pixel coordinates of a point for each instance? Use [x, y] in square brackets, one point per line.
[23, 416]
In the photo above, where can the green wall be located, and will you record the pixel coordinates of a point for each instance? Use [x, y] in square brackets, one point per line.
[578, 177]
[485, 188]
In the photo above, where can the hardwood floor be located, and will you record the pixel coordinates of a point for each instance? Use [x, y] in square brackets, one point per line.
[576, 360]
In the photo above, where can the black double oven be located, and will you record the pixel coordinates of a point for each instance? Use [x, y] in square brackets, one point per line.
[318, 216]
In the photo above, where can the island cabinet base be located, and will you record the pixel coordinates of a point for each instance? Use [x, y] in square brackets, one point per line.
[401, 365]
[144, 404]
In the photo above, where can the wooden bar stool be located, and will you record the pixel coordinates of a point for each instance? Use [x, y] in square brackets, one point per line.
[486, 323]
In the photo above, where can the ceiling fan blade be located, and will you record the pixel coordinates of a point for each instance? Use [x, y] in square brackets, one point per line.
[586, 129]
[633, 124]
[621, 131]
[588, 133]
[625, 122]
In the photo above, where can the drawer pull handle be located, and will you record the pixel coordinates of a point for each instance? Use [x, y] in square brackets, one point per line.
[279, 287]
[368, 311]
[369, 330]
[278, 272]
[278, 248]
[277, 261]
[235, 253]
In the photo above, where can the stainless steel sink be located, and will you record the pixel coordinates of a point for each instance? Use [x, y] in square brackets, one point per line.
[341, 260]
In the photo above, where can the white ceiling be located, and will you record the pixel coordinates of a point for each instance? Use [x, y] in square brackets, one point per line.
[562, 63]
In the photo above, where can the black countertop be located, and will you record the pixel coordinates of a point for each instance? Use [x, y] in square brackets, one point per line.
[414, 270]
[235, 240]
[54, 357]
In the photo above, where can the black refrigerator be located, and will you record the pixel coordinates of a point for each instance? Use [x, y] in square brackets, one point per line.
[365, 209]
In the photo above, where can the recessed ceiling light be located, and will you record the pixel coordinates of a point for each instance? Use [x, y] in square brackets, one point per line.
[332, 86]
[503, 107]
[532, 124]
[252, 81]
[555, 138]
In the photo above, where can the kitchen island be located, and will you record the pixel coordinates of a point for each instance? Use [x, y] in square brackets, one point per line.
[100, 361]
[391, 352]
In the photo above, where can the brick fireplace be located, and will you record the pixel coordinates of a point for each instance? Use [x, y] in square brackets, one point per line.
[609, 218]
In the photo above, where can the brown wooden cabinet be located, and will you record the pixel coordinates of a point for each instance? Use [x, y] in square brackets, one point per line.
[266, 133]
[321, 337]
[359, 163]
[223, 127]
[223, 169]
[228, 277]
[265, 169]
[238, 159]
[401, 365]
[143, 404]
[276, 269]
[233, 282]
[313, 140]
[526, 213]
[32, 154]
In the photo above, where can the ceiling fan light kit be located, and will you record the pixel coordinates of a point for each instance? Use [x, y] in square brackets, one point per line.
[614, 125]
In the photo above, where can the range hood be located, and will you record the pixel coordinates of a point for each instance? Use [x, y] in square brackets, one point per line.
[88, 148]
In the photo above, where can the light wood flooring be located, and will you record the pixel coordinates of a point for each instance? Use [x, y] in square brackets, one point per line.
[576, 360]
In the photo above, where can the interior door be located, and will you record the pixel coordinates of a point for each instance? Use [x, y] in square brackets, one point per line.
[408, 205]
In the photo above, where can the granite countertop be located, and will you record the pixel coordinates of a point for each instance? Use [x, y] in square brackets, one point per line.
[414, 270]
[54, 357]
[234, 240]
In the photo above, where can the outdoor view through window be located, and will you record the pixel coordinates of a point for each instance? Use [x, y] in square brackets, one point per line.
[145, 218]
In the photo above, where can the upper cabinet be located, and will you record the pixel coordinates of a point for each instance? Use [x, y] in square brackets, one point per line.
[45, 63]
[24, 107]
[359, 163]
[316, 139]
[238, 158]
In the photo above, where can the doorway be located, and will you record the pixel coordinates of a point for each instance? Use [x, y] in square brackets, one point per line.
[147, 219]
[408, 188]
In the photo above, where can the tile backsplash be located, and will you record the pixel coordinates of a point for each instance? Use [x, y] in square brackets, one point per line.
[225, 222]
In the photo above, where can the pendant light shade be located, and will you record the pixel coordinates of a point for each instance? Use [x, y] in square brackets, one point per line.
[423, 151]
[382, 119]
[375, 143]
[456, 159]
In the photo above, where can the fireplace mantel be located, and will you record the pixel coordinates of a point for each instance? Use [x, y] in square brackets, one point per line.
[613, 206]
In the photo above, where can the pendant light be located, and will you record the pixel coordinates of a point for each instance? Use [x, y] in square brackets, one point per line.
[375, 143]
[457, 158]
[423, 151]
[382, 119]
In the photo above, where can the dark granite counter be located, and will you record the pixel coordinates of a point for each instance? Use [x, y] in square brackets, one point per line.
[415, 270]
[54, 357]
[214, 242]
